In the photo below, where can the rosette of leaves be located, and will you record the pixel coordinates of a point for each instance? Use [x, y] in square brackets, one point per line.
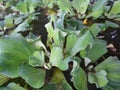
[72, 38]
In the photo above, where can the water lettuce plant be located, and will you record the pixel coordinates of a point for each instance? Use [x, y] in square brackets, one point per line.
[72, 57]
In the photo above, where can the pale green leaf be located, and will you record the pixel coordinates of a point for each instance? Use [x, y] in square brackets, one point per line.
[65, 5]
[22, 27]
[22, 7]
[79, 77]
[57, 59]
[80, 5]
[35, 77]
[37, 59]
[115, 9]
[82, 43]
[9, 20]
[98, 8]
[98, 50]
[112, 66]
[111, 24]
[71, 40]
[99, 78]
[54, 35]
[95, 29]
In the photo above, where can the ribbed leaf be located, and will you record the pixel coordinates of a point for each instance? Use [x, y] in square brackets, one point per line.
[112, 66]
[14, 50]
[82, 43]
[35, 77]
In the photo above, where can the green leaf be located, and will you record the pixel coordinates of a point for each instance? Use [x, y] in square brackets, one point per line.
[57, 59]
[98, 50]
[99, 78]
[111, 24]
[35, 77]
[32, 4]
[107, 87]
[80, 5]
[65, 5]
[58, 82]
[9, 20]
[3, 79]
[12, 86]
[22, 27]
[37, 59]
[98, 8]
[60, 22]
[82, 43]
[22, 7]
[49, 3]
[71, 40]
[79, 77]
[112, 66]
[95, 29]
[115, 9]
[55, 35]
[14, 50]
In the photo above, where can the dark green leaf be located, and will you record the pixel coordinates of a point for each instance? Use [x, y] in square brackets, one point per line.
[12, 86]
[14, 50]
[57, 82]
